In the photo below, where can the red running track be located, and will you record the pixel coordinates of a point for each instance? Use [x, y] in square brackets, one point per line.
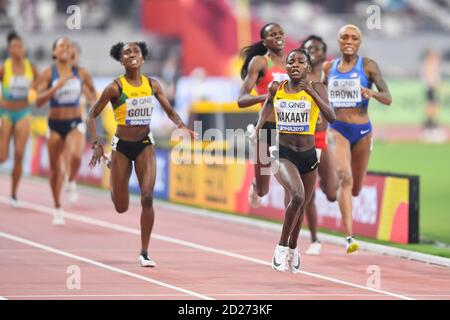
[198, 256]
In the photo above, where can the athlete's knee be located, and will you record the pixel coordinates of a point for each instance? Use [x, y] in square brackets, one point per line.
[18, 157]
[356, 190]
[345, 178]
[297, 199]
[262, 190]
[147, 199]
[120, 207]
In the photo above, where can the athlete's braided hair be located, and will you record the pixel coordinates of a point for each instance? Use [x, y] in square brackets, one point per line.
[116, 49]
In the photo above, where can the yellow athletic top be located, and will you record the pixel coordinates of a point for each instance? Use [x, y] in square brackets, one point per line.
[135, 104]
[295, 113]
[16, 87]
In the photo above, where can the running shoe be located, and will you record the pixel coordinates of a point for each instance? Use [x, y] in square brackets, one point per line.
[314, 249]
[146, 261]
[280, 258]
[13, 202]
[58, 217]
[294, 260]
[351, 245]
[73, 192]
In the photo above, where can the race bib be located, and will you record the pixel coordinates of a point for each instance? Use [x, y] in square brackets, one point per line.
[70, 92]
[293, 115]
[18, 87]
[344, 92]
[139, 110]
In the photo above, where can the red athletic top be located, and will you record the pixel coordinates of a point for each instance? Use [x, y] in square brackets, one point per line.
[273, 73]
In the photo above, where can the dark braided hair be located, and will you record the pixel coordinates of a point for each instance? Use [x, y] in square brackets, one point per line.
[303, 51]
[11, 36]
[256, 49]
[116, 50]
[314, 37]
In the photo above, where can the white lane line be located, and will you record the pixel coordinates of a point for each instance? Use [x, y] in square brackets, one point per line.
[117, 227]
[100, 265]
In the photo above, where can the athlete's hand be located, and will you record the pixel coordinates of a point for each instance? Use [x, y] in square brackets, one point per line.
[367, 93]
[306, 85]
[192, 133]
[97, 156]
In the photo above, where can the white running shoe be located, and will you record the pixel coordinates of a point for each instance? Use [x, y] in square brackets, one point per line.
[13, 202]
[73, 193]
[280, 258]
[146, 261]
[351, 245]
[314, 249]
[253, 198]
[58, 217]
[294, 260]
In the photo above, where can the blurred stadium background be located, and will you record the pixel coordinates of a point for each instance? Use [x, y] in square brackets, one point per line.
[194, 51]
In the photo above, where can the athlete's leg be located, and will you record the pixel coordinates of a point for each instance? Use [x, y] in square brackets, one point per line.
[342, 155]
[55, 149]
[328, 176]
[145, 167]
[360, 161]
[308, 184]
[121, 168]
[290, 179]
[75, 143]
[311, 215]
[6, 129]
[21, 134]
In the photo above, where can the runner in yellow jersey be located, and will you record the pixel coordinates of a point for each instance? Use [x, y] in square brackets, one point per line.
[297, 103]
[17, 76]
[133, 97]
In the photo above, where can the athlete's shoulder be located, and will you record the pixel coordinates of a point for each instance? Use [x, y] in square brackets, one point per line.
[258, 62]
[326, 66]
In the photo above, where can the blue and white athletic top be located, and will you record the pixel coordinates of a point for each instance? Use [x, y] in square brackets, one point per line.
[344, 89]
[69, 95]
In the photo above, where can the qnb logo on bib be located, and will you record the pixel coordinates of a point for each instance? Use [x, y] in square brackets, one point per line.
[344, 92]
[293, 115]
[279, 76]
[139, 111]
[18, 87]
[70, 92]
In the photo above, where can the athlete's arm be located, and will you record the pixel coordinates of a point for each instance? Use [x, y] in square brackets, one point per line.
[255, 67]
[319, 93]
[88, 85]
[1, 73]
[373, 71]
[326, 67]
[266, 110]
[45, 93]
[111, 92]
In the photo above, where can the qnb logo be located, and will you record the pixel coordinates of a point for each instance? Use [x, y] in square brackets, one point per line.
[141, 101]
[73, 22]
[293, 104]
